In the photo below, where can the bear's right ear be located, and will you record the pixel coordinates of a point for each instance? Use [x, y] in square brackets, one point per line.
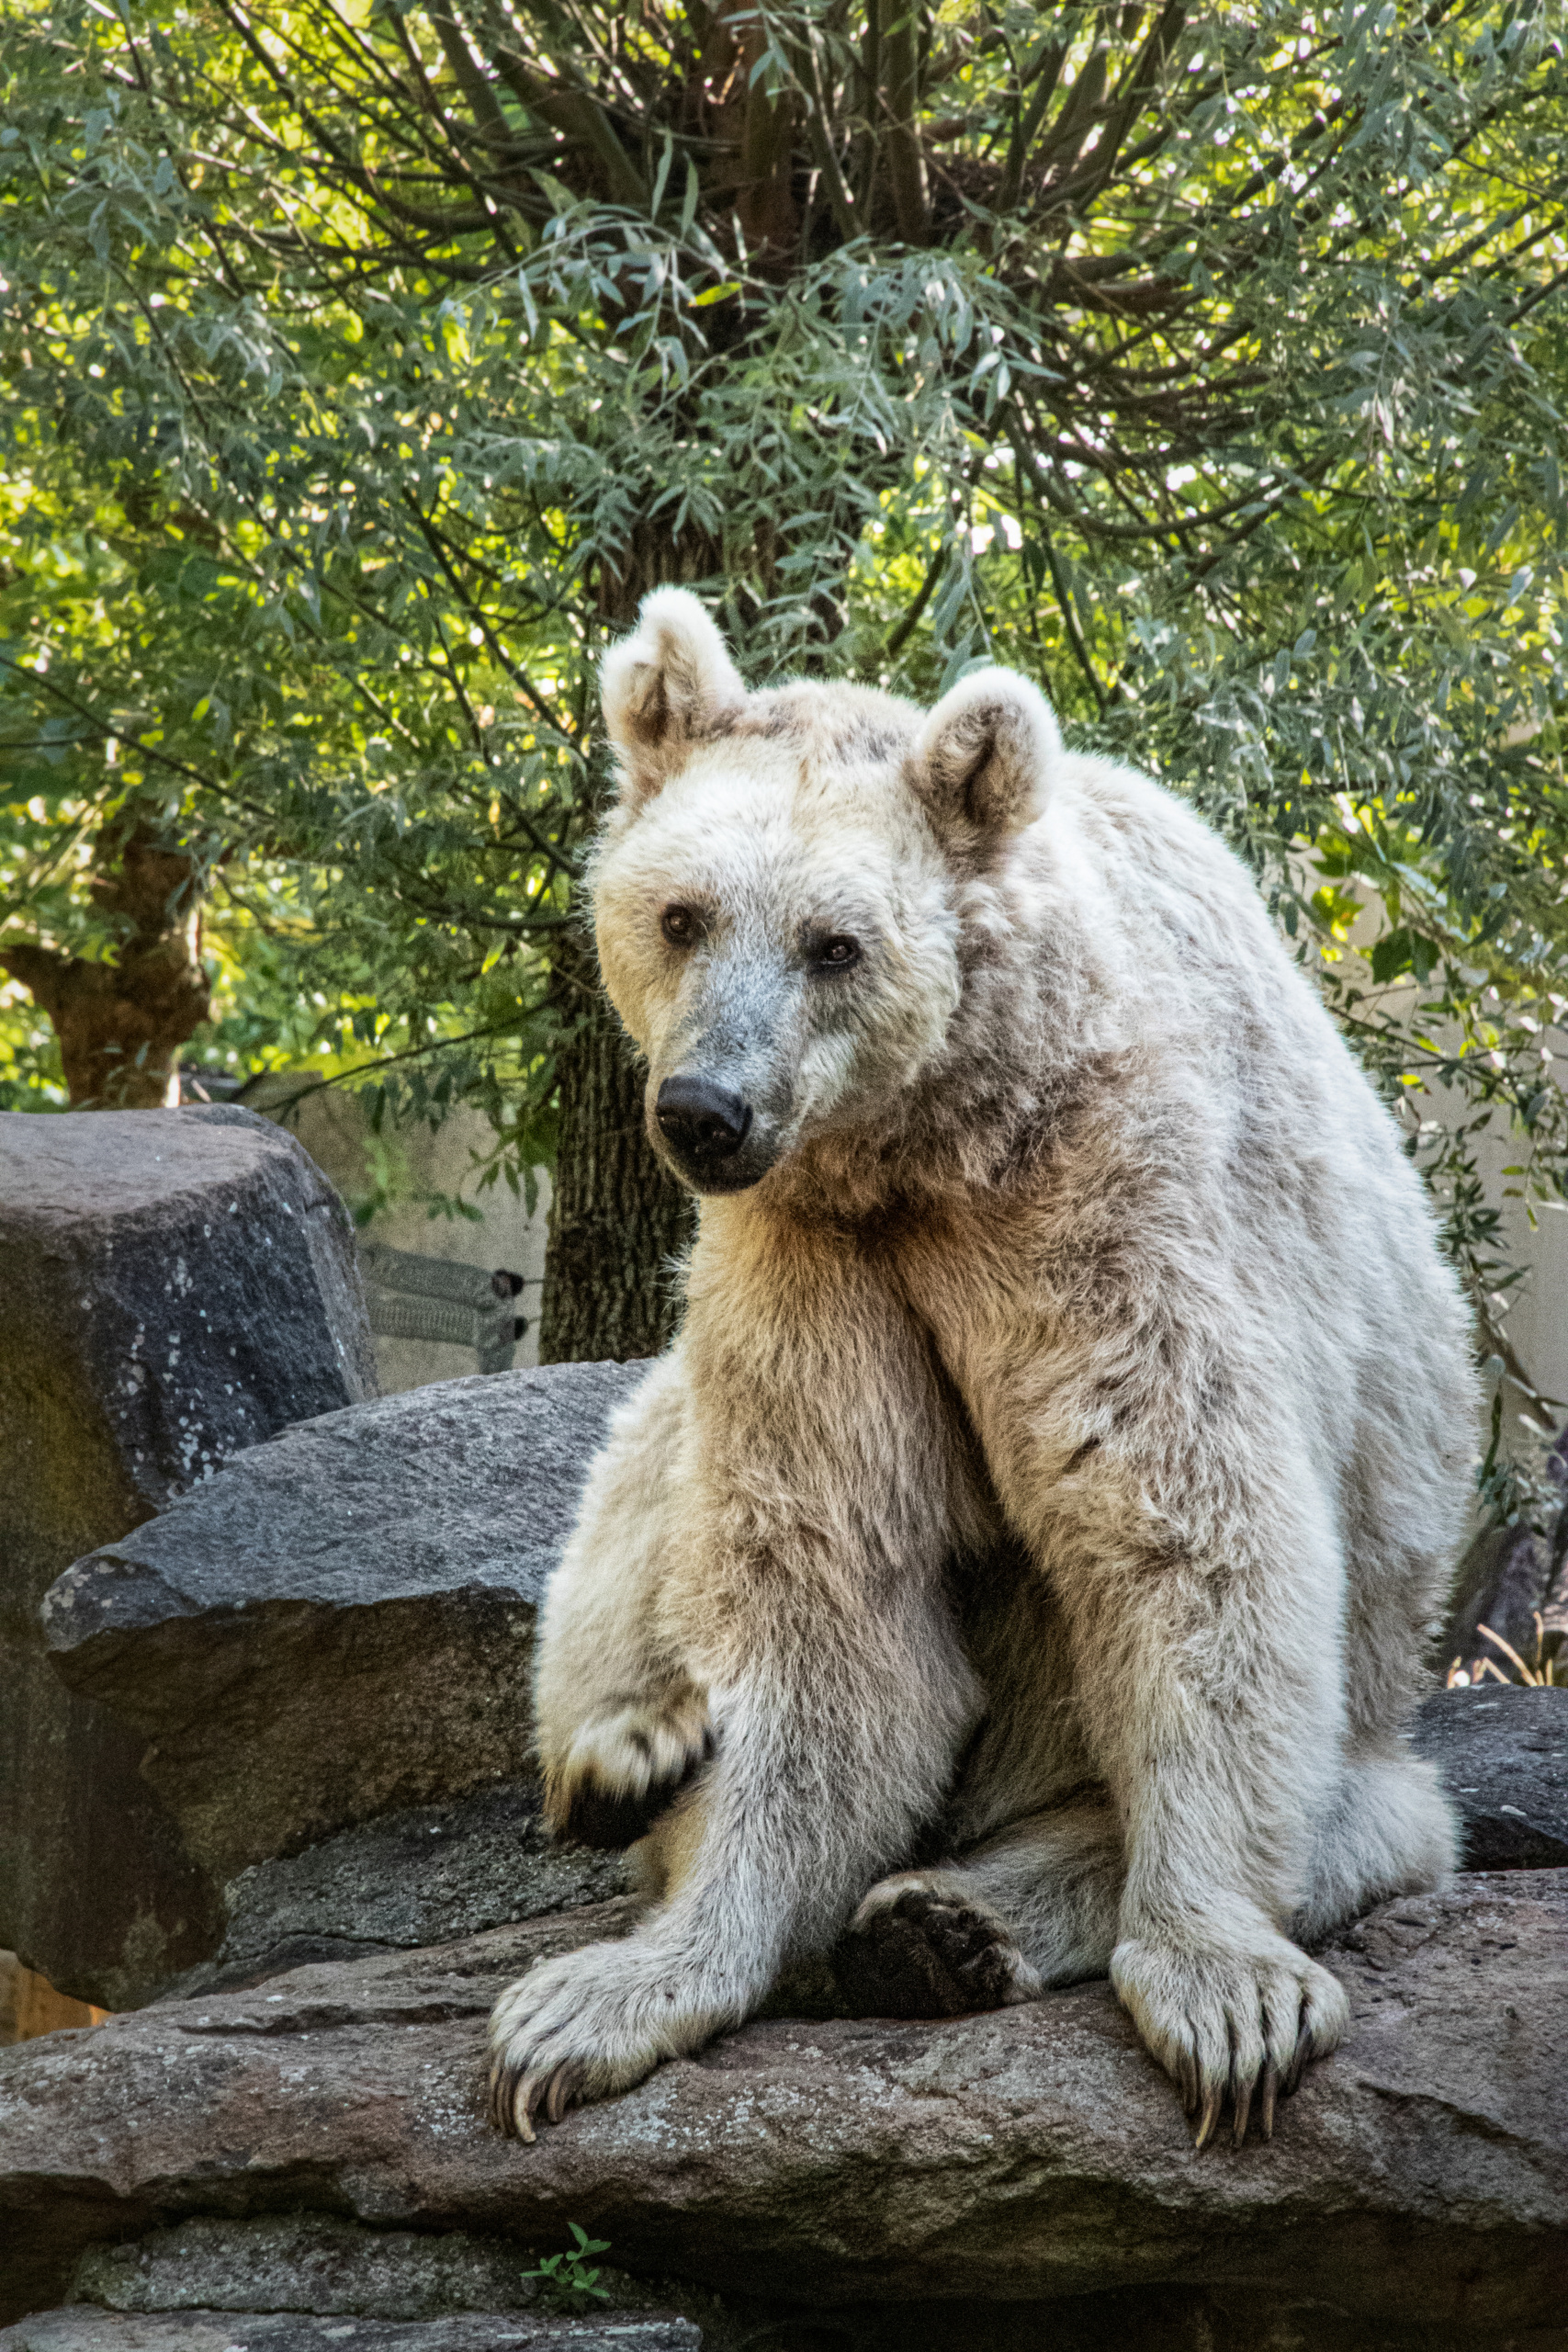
[665, 687]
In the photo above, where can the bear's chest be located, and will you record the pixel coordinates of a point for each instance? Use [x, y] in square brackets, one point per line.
[1008, 1336]
[961, 1279]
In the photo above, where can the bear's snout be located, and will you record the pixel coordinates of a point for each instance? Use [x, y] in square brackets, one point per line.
[703, 1123]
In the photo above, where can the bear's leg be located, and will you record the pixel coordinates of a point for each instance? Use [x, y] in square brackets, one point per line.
[1206, 1640]
[1389, 1831]
[621, 1725]
[1037, 1904]
[1058, 1878]
[808, 1600]
[821, 1771]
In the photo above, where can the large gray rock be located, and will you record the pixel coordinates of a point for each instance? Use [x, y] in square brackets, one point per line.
[174, 1286]
[1502, 1754]
[315, 2264]
[337, 1628]
[340, 1624]
[439, 1871]
[1416, 2189]
[302, 2263]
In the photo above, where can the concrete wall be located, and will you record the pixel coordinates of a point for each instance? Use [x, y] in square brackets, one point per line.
[409, 1165]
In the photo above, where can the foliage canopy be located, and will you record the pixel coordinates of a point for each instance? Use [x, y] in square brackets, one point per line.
[366, 361]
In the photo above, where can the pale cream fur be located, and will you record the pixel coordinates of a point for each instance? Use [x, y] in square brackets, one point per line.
[1066, 1441]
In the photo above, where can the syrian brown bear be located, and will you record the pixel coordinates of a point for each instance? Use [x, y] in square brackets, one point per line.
[1021, 1562]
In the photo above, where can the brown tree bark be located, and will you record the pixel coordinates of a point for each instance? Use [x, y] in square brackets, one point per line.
[122, 1024]
[906, 161]
[617, 1219]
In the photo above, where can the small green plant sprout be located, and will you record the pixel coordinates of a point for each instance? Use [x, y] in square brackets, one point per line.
[567, 2275]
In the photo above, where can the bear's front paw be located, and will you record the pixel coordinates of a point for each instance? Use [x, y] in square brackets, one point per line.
[1227, 2025]
[620, 1773]
[584, 2026]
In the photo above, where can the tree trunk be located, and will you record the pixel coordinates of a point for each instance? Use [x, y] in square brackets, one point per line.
[617, 1219]
[121, 1026]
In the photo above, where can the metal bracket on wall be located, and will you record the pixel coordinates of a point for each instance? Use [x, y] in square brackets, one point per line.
[415, 1297]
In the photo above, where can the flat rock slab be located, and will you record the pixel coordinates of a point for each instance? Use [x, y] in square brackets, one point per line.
[1503, 1755]
[312, 2262]
[1420, 2177]
[349, 1608]
[78, 2328]
[421, 1877]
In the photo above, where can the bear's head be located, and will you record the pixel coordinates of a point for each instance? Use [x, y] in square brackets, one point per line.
[778, 891]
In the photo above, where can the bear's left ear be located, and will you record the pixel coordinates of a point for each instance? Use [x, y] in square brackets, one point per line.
[665, 687]
[987, 758]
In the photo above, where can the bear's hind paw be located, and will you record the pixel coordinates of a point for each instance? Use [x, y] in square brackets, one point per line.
[923, 1945]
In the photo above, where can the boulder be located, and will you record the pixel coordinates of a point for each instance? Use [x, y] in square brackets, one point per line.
[326, 1650]
[435, 1872]
[174, 1286]
[1416, 2191]
[311, 2264]
[340, 1624]
[1502, 1754]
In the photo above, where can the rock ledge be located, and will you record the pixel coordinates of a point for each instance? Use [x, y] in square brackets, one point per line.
[1419, 2181]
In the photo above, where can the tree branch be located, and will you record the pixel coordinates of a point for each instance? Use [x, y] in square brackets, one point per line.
[576, 114]
[905, 158]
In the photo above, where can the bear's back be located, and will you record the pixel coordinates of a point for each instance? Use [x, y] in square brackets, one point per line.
[1288, 1141]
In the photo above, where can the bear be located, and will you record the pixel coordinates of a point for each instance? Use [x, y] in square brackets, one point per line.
[1024, 1557]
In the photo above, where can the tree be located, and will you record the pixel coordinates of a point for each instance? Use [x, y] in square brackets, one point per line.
[121, 1022]
[369, 362]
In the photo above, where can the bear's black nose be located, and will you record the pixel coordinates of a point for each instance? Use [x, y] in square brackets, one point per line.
[702, 1122]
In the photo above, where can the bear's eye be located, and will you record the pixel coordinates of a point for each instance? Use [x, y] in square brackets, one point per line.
[679, 925]
[836, 954]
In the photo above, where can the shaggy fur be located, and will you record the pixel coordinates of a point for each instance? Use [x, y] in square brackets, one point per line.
[1066, 1443]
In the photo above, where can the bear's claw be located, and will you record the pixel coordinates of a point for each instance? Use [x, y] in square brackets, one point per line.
[516, 2096]
[587, 2024]
[1230, 2027]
